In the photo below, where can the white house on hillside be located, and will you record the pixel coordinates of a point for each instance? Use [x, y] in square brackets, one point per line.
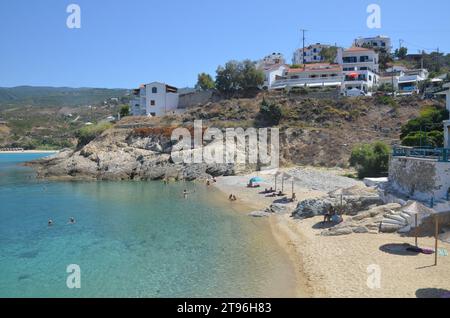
[360, 68]
[312, 75]
[154, 99]
[271, 60]
[271, 73]
[380, 42]
[311, 54]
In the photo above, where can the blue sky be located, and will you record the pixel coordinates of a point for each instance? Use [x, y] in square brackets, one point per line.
[126, 43]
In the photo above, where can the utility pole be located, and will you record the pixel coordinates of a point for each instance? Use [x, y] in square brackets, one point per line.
[438, 60]
[303, 51]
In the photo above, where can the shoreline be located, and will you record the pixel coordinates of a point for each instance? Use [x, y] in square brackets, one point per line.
[339, 266]
[284, 239]
[29, 152]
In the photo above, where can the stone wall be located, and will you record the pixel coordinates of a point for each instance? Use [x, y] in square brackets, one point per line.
[420, 179]
[195, 98]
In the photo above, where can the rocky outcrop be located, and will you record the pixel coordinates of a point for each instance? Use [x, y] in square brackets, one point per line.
[370, 221]
[118, 154]
[351, 201]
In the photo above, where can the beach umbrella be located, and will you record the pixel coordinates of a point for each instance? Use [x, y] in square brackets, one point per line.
[419, 210]
[256, 180]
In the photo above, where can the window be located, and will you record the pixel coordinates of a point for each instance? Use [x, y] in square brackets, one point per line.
[364, 59]
[370, 77]
[153, 114]
[324, 75]
[364, 68]
[350, 59]
[154, 90]
[152, 103]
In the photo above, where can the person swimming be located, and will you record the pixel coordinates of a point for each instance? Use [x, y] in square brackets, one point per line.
[71, 220]
[50, 222]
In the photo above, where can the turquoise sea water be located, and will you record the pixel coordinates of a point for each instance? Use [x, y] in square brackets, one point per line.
[131, 239]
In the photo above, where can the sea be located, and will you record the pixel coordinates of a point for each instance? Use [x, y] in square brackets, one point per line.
[131, 239]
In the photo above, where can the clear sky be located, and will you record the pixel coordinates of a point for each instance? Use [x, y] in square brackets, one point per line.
[126, 43]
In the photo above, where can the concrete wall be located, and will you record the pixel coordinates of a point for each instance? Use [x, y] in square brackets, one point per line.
[195, 98]
[447, 134]
[421, 179]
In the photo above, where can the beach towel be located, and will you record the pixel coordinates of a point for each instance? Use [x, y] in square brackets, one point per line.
[442, 252]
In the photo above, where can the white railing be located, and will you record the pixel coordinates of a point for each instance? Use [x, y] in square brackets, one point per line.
[329, 81]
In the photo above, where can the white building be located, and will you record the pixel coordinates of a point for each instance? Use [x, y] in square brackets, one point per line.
[271, 73]
[404, 81]
[408, 82]
[377, 42]
[360, 68]
[154, 99]
[312, 75]
[311, 54]
[271, 60]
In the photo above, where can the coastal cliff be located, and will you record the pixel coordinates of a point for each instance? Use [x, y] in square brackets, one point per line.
[121, 154]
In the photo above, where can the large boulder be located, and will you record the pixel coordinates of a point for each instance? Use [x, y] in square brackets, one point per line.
[313, 207]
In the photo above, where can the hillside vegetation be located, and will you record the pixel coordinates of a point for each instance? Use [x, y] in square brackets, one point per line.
[319, 132]
[55, 96]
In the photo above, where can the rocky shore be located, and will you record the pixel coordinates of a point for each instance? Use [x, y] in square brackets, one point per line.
[122, 154]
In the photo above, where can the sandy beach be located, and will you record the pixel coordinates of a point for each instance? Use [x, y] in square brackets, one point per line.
[356, 265]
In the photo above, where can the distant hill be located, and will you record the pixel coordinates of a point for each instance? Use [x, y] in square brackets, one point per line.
[55, 96]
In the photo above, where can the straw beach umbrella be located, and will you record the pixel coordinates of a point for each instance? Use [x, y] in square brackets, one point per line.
[419, 210]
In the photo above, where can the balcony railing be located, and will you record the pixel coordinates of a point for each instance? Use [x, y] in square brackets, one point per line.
[439, 154]
[324, 81]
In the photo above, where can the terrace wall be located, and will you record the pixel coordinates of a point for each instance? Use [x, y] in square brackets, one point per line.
[419, 178]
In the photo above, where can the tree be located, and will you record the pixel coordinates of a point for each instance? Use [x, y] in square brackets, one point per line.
[371, 160]
[238, 76]
[205, 82]
[124, 111]
[250, 77]
[329, 54]
[401, 52]
[227, 79]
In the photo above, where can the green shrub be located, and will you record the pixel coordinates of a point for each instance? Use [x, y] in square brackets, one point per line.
[433, 139]
[270, 113]
[429, 122]
[386, 100]
[371, 160]
[124, 111]
[88, 133]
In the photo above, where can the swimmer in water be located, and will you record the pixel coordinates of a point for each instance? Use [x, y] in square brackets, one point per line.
[50, 222]
[71, 220]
